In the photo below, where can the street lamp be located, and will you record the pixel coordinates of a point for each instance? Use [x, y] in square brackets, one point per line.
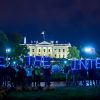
[8, 50]
[14, 63]
[90, 51]
[65, 62]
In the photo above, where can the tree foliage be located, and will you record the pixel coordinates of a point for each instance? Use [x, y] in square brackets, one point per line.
[20, 52]
[73, 52]
[17, 50]
[14, 38]
[3, 43]
[12, 41]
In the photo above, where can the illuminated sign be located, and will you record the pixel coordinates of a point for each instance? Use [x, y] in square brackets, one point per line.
[86, 64]
[38, 60]
[2, 61]
[42, 61]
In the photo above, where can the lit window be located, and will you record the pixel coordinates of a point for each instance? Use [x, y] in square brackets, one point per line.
[63, 50]
[49, 50]
[39, 50]
[33, 50]
[44, 50]
[59, 50]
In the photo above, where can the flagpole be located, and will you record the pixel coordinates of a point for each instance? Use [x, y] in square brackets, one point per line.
[43, 35]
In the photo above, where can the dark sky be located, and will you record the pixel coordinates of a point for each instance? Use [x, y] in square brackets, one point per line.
[74, 21]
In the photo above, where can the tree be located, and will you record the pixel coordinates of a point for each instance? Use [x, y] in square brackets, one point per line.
[73, 52]
[14, 38]
[18, 50]
[21, 50]
[3, 43]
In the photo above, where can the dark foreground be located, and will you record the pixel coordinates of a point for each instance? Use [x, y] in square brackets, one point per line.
[63, 93]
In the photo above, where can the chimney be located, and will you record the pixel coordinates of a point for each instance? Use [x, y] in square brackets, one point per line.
[56, 42]
[25, 40]
[52, 42]
[31, 41]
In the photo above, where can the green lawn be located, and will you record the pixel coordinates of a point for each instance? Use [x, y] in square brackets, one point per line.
[74, 93]
[56, 77]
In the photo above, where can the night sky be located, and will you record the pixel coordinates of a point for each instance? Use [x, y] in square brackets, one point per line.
[74, 21]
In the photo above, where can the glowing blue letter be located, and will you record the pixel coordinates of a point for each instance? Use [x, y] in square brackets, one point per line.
[98, 63]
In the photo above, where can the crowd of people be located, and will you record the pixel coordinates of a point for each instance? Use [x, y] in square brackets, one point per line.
[24, 76]
[87, 77]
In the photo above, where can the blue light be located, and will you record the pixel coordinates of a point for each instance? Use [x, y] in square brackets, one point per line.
[29, 60]
[8, 50]
[89, 50]
[65, 62]
[14, 62]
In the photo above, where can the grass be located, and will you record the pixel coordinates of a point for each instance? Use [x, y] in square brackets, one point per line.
[72, 93]
[56, 77]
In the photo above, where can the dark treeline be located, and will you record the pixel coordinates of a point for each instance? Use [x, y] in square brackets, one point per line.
[12, 41]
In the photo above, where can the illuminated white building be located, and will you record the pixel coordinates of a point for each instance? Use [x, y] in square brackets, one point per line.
[51, 49]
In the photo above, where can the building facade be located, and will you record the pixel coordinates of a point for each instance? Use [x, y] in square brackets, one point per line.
[50, 49]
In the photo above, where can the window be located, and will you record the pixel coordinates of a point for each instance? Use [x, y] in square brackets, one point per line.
[63, 56]
[59, 56]
[63, 50]
[33, 50]
[59, 50]
[39, 50]
[49, 50]
[55, 49]
[44, 50]
[55, 55]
